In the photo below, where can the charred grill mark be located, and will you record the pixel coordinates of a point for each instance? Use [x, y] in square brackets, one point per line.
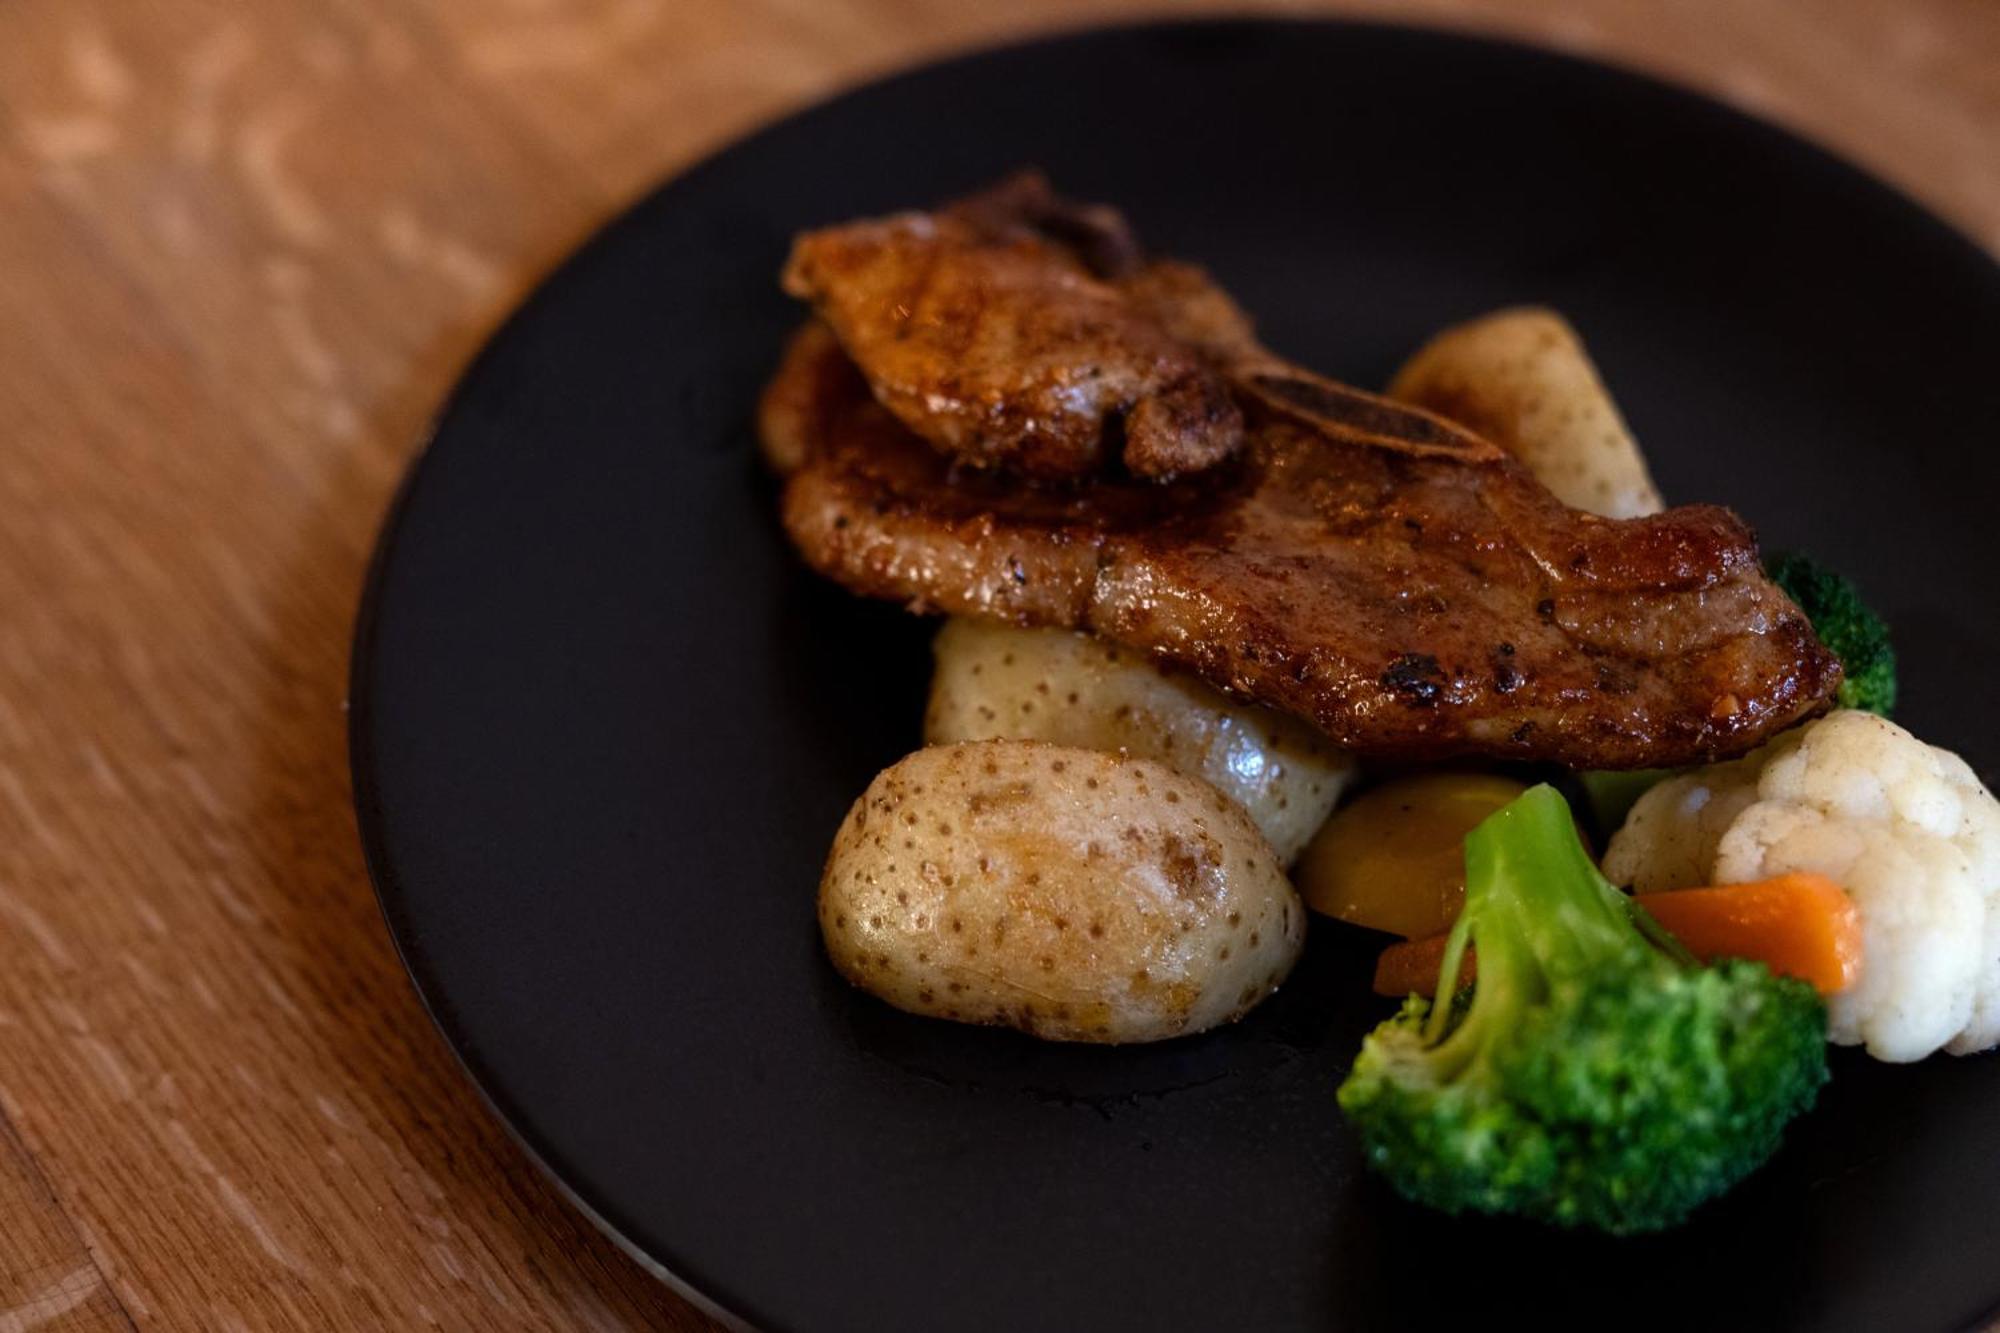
[1616, 679]
[1416, 677]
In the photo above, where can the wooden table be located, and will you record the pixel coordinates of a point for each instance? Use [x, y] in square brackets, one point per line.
[244, 248]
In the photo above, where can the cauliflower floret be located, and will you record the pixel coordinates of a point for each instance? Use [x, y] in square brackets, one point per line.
[1904, 827]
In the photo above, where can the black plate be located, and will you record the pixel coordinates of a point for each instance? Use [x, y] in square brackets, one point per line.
[604, 725]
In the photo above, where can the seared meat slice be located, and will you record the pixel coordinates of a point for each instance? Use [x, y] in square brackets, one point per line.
[996, 331]
[790, 414]
[1366, 566]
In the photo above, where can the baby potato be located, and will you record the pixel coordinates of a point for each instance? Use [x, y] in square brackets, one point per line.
[1072, 894]
[1394, 857]
[1522, 379]
[997, 680]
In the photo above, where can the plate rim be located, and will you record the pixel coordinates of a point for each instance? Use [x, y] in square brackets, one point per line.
[714, 1298]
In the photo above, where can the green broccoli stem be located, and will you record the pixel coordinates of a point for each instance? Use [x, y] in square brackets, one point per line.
[1528, 864]
[1537, 908]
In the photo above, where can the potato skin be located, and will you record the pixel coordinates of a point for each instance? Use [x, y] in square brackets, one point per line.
[1072, 894]
[998, 680]
[1522, 379]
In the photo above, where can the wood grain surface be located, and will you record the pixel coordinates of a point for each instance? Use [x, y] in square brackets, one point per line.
[244, 247]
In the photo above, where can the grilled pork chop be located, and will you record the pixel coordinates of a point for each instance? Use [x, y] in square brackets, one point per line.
[1003, 347]
[1379, 571]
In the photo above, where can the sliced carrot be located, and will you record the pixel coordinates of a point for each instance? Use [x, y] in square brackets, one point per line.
[1411, 968]
[1798, 925]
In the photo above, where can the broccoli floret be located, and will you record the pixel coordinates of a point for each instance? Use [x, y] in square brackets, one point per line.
[1595, 1074]
[1854, 634]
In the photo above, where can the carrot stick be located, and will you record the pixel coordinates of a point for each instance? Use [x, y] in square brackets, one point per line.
[1411, 967]
[1798, 925]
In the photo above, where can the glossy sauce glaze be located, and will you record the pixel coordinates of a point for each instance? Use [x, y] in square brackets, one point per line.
[1416, 603]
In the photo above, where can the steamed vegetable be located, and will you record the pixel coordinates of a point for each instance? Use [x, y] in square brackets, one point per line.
[1411, 967]
[1393, 858]
[997, 680]
[1596, 1076]
[1846, 625]
[1905, 828]
[1075, 895]
[1797, 925]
